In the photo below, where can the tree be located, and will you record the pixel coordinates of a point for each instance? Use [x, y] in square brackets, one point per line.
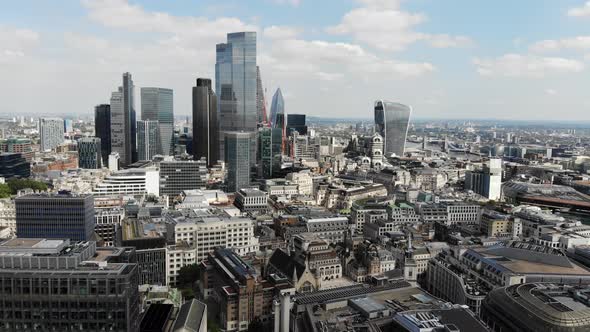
[4, 190]
[19, 184]
[188, 275]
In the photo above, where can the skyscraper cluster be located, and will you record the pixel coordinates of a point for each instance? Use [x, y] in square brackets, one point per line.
[119, 131]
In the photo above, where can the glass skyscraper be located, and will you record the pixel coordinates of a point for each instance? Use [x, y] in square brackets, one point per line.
[277, 107]
[148, 139]
[238, 159]
[89, 153]
[391, 122]
[260, 105]
[123, 126]
[157, 105]
[235, 84]
[102, 129]
[205, 127]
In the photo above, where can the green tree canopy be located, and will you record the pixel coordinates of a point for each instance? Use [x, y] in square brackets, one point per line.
[188, 275]
[19, 184]
[4, 190]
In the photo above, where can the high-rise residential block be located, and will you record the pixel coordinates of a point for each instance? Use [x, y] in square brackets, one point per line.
[235, 84]
[391, 122]
[157, 105]
[102, 129]
[58, 285]
[177, 176]
[89, 153]
[237, 159]
[123, 125]
[148, 139]
[55, 216]
[205, 125]
[51, 133]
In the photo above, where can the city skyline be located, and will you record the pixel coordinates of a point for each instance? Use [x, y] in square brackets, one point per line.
[441, 60]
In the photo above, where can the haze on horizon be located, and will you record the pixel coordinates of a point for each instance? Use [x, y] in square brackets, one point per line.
[332, 58]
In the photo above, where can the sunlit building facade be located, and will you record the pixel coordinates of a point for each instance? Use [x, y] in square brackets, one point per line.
[391, 122]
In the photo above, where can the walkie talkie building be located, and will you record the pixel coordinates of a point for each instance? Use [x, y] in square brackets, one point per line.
[391, 122]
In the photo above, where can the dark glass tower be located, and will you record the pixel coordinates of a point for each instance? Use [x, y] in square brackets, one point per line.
[391, 122]
[89, 153]
[276, 107]
[123, 125]
[235, 83]
[205, 126]
[102, 129]
[296, 122]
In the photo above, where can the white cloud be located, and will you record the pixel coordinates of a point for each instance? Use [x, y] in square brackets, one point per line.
[383, 25]
[549, 45]
[550, 92]
[293, 3]
[517, 65]
[582, 11]
[16, 42]
[281, 32]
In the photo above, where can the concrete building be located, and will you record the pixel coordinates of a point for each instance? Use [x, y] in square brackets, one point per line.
[133, 181]
[177, 176]
[53, 285]
[487, 181]
[8, 214]
[55, 216]
[304, 182]
[51, 133]
[539, 307]
[451, 213]
[495, 224]
[331, 229]
[18, 145]
[251, 200]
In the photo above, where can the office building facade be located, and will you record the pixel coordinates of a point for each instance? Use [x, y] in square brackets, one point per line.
[14, 165]
[177, 176]
[260, 102]
[486, 181]
[391, 122]
[54, 285]
[269, 151]
[205, 125]
[235, 84]
[55, 216]
[90, 153]
[123, 125]
[148, 139]
[102, 129]
[51, 133]
[237, 159]
[157, 105]
[296, 122]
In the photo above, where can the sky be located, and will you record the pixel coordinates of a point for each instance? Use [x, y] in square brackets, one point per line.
[501, 59]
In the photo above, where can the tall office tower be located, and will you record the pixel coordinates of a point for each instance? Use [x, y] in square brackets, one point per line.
[102, 129]
[237, 160]
[391, 122]
[296, 122]
[58, 285]
[276, 107]
[235, 84]
[281, 123]
[55, 216]
[14, 165]
[270, 142]
[486, 181]
[179, 175]
[89, 153]
[123, 126]
[148, 139]
[68, 126]
[51, 132]
[205, 126]
[260, 104]
[157, 105]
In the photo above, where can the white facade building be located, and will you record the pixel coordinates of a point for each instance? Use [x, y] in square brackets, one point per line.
[134, 181]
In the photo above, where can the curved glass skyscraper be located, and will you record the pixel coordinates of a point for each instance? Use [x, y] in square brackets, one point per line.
[391, 122]
[277, 107]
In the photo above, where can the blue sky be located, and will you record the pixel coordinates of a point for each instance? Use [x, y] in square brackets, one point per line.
[447, 58]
